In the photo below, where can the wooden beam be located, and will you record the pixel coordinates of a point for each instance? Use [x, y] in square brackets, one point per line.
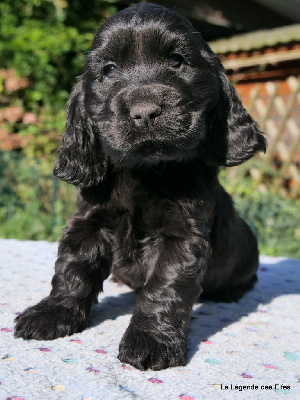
[264, 59]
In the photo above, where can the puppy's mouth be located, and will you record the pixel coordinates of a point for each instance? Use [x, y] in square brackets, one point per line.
[151, 152]
[153, 143]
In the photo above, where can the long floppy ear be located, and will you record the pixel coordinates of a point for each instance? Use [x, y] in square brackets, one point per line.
[80, 159]
[233, 136]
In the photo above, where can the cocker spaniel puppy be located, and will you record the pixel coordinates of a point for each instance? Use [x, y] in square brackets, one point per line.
[149, 123]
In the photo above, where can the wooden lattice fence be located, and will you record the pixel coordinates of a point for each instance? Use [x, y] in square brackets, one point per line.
[276, 107]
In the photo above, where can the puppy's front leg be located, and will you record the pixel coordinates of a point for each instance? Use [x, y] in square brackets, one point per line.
[82, 265]
[157, 335]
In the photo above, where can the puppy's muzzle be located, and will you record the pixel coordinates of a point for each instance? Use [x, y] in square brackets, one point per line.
[144, 105]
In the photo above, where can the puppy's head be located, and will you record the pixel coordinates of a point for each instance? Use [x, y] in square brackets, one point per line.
[152, 91]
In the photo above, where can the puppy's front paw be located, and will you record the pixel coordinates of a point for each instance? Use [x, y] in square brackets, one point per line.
[49, 320]
[152, 350]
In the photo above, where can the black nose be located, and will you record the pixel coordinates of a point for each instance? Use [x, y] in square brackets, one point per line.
[145, 114]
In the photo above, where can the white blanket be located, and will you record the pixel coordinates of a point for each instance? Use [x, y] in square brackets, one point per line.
[245, 350]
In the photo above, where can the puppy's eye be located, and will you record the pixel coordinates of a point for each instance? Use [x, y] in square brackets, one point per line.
[110, 71]
[175, 61]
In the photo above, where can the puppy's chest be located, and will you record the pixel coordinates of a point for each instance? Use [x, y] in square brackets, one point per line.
[149, 221]
[155, 216]
[139, 239]
[149, 209]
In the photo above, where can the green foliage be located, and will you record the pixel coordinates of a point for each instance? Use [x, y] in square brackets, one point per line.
[44, 136]
[45, 41]
[273, 218]
[33, 205]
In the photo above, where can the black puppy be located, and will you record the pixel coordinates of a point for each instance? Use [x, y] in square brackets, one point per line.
[149, 123]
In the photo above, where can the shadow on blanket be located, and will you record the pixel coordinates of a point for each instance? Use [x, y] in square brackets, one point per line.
[208, 317]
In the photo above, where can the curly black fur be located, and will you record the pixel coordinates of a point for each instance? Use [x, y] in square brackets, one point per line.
[149, 123]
